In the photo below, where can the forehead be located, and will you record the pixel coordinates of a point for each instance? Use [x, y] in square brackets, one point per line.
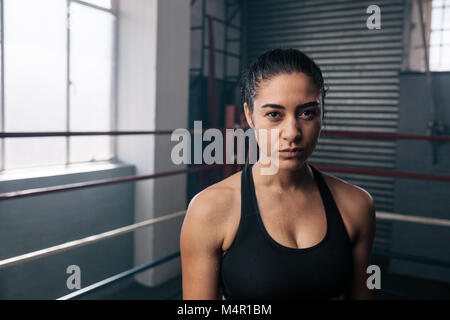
[287, 89]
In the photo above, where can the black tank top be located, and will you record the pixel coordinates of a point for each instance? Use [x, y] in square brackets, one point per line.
[258, 267]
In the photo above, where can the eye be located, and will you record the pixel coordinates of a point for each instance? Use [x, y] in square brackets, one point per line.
[308, 114]
[272, 114]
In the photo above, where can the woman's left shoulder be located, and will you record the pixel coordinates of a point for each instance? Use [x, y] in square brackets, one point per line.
[353, 201]
[345, 190]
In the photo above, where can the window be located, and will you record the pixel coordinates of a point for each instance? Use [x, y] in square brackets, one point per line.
[57, 79]
[440, 36]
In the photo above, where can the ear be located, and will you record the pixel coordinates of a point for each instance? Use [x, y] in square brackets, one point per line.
[248, 115]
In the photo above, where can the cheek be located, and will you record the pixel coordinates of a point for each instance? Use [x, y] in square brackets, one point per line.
[268, 139]
[312, 135]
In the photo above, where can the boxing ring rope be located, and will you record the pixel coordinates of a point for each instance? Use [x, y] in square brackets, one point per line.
[386, 136]
[96, 183]
[385, 173]
[146, 223]
[102, 182]
[120, 276]
[101, 236]
[84, 241]
[115, 232]
[81, 133]
[414, 219]
[347, 134]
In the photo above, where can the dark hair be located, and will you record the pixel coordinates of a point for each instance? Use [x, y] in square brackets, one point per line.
[275, 62]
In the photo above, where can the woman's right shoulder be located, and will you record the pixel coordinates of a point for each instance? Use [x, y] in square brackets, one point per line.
[217, 202]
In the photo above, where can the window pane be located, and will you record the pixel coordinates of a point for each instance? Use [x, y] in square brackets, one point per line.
[101, 3]
[446, 37]
[438, 3]
[89, 149]
[434, 57]
[435, 38]
[91, 63]
[31, 152]
[445, 58]
[35, 65]
[446, 22]
[436, 18]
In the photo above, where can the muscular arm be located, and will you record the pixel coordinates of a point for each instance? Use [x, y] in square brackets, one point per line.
[200, 244]
[362, 248]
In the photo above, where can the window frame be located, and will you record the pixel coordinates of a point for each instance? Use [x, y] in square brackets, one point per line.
[440, 30]
[114, 11]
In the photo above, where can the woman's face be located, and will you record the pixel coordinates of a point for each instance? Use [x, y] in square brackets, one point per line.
[290, 103]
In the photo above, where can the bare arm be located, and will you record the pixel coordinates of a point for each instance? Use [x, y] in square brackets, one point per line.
[362, 248]
[200, 244]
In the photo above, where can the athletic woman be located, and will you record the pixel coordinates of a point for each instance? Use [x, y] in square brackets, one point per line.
[298, 233]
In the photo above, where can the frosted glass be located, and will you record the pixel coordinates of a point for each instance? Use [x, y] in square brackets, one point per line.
[91, 77]
[84, 149]
[35, 65]
[90, 68]
[33, 152]
[446, 37]
[435, 53]
[101, 3]
[445, 63]
[436, 18]
[435, 38]
[446, 22]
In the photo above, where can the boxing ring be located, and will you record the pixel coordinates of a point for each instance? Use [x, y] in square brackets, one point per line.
[152, 222]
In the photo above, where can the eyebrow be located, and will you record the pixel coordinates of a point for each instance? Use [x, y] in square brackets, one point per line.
[303, 105]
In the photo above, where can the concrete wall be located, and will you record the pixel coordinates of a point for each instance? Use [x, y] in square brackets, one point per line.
[35, 223]
[422, 197]
[154, 38]
[136, 107]
[172, 103]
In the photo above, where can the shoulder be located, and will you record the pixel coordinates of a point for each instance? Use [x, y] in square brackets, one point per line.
[216, 200]
[212, 210]
[355, 204]
[352, 195]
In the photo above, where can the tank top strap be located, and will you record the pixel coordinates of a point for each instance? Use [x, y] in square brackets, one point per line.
[335, 222]
[247, 188]
[327, 197]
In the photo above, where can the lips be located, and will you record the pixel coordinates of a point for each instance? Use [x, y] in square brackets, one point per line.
[291, 153]
[291, 150]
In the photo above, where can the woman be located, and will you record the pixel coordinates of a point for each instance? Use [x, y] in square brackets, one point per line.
[298, 233]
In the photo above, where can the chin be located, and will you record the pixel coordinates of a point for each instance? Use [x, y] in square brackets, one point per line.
[291, 164]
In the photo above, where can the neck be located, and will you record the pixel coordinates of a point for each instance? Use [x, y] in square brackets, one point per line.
[285, 180]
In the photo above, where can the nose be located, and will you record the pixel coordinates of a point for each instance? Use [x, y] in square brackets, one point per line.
[291, 131]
